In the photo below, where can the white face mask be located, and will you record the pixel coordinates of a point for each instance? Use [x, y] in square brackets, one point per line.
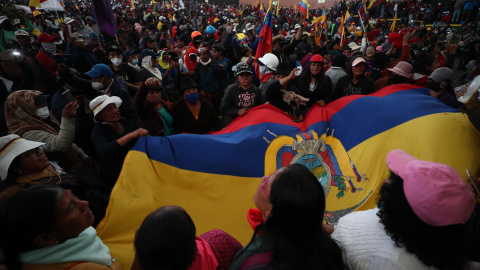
[263, 69]
[50, 48]
[116, 61]
[98, 85]
[43, 113]
[135, 62]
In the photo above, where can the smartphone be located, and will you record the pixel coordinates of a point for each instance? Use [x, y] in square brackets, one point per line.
[470, 179]
[67, 96]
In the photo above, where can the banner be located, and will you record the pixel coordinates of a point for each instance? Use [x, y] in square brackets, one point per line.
[50, 5]
[344, 144]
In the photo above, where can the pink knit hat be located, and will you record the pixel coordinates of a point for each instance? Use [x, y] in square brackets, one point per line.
[436, 192]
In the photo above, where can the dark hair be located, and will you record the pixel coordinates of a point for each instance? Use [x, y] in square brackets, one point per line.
[166, 240]
[441, 247]
[421, 61]
[304, 78]
[23, 217]
[294, 227]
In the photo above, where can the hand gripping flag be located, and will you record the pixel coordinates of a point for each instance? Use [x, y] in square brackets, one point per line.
[344, 144]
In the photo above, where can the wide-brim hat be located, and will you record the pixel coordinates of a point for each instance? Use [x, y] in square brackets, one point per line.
[10, 147]
[403, 69]
[354, 46]
[68, 20]
[186, 82]
[99, 103]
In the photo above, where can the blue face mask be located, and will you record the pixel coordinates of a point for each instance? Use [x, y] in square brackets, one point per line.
[135, 62]
[192, 98]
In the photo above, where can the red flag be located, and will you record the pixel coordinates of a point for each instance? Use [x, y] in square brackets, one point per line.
[265, 44]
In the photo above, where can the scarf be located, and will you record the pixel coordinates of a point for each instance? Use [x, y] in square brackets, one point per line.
[266, 76]
[189, 63]
[206, 63]
[86, 247]
[21, 114]
[164, 65]
[147, 64]
[254, 217]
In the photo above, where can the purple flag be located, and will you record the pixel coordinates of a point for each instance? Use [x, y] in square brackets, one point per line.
[103, 12]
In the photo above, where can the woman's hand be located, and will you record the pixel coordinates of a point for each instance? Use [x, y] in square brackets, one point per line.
[70, 110]
[242, 111]
[139, 133]
[321, 103]
[292, 74]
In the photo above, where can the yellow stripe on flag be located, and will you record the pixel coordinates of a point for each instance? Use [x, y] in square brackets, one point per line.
[198, 193]
[444, 149]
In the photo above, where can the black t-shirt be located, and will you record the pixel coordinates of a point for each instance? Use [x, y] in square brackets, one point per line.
[345, 87]
[127, 73]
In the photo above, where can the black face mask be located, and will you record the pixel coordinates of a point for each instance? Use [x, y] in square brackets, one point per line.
[434, 86]
[395, 79]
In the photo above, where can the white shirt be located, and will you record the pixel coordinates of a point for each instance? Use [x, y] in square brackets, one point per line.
[366, 245]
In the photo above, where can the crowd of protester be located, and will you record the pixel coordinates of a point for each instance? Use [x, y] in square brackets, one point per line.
[74, 100]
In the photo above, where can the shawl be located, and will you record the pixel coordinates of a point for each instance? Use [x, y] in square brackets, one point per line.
[21, 114]
[147, 64]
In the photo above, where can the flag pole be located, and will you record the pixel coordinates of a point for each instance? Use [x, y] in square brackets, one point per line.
[361, 21]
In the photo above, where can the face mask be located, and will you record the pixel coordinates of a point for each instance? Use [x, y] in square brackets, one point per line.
[50, 48]
[192, 98]
[394, 79]
[434, 86]
[116, 61]
[43, 113]
[263, 69]
[135, 62]
[98, 85]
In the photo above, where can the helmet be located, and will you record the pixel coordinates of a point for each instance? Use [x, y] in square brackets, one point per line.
[36, 13]
[195, 34]
[211, 30]
[316, 58]
[269, 60]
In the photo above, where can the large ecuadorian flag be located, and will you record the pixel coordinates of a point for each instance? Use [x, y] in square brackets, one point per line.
[344, 144]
